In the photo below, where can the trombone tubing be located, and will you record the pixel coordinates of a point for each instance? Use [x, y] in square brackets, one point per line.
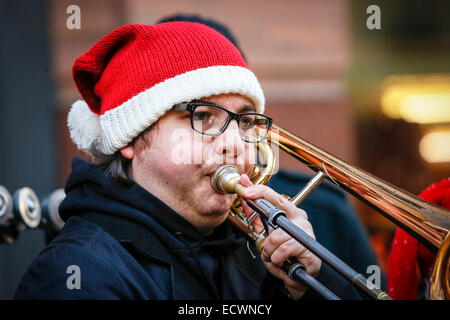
[277, 218]
[425, 221]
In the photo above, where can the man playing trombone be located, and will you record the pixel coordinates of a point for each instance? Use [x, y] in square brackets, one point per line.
[164, 106]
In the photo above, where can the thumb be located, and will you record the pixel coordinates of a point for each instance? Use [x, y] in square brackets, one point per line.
[245, 180]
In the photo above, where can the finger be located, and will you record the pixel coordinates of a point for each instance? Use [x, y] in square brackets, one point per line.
[280, 274]
[276, 239]
[248, 212]
[279, 236]
[290, 248]
[279, 246]
[274, 263]
[262, 191]
[245, 180]
[295, 251]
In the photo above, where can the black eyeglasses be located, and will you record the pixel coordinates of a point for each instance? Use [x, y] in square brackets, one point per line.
[212, 120]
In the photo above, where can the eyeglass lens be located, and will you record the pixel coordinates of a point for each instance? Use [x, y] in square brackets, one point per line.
[212, 120]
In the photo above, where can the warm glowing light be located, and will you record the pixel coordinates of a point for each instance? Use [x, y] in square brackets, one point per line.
[419, 99]
[426, 108]
[435, 147]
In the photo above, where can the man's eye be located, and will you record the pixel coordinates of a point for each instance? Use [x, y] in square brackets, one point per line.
[247, 121]
[202, 116]
[261, 121]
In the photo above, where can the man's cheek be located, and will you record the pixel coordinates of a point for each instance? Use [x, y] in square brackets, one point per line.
[184, 148]
[249, 159]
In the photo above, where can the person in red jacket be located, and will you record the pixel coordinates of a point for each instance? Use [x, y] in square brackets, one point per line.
[410, 263]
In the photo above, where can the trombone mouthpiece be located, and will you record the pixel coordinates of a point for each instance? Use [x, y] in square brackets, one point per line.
[226, 179]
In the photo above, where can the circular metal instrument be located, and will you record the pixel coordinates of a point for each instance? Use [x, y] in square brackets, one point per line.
[50, 210]
[27, 207]
[6, 206]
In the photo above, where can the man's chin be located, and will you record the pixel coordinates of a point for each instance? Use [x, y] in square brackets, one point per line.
[214, 204]
[217, 205]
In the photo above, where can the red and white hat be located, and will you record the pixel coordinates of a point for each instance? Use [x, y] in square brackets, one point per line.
[136, 73]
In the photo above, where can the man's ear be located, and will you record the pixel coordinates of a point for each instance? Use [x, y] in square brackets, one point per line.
[127, 152]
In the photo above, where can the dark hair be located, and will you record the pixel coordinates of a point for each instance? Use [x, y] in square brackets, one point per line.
[116, 165]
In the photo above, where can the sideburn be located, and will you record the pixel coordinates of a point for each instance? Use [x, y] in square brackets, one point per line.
[144, 140]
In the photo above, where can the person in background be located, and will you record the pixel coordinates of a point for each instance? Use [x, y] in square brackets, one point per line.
[410, 262]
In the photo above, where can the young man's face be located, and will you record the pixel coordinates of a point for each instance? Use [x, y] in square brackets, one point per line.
[178, 165]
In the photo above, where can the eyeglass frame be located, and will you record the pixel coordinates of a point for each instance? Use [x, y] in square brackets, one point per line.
[191, 106]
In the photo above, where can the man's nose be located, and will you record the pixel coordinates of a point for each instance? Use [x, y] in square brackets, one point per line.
[229, 143]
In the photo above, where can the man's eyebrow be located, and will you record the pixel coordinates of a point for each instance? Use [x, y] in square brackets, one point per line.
[247, 108]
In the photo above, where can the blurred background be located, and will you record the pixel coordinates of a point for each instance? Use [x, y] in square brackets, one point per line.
[376, 98]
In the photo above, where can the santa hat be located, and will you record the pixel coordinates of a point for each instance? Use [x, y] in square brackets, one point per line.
[408, 258]
[136, 73]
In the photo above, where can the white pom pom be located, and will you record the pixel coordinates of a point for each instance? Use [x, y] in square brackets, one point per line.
[84, 125]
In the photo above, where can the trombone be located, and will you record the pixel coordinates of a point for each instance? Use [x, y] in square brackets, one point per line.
[428, 223]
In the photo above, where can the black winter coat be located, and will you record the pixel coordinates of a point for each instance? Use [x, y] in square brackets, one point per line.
[121, 242]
